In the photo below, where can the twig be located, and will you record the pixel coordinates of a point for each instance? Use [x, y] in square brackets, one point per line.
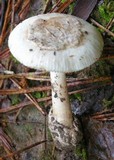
[30, 97]
[22, 14]
[103, 112]
[89, 88]
[23, 90]
[5, 121]
[3, 33]
[21, 105]
[106, 58]
[25, 8]
[60, 7]
[45, 132]
[18, 4]
[109, 25]
[7, 144]
[3, 10]
[46, 88]
[46, 6]
[30, 76]
[12, 15]
[22, 150]
[36, 76]
[4, 54]
[56, 6]
[107, 114]
[102, 116]
[103, 28]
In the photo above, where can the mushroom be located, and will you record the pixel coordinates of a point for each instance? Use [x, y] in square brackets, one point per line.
[57, 43]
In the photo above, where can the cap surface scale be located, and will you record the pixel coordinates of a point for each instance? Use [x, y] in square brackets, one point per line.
[56, 42]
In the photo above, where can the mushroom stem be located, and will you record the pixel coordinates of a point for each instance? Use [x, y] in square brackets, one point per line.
[60, 99]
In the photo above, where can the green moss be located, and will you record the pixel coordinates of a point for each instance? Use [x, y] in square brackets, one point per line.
[104, 13]
[49, 135]
[106, 10]
[39, 94]
[47, 155]
[108, 103]
[29, 129]
[100, 68]
[71, 7]
[14, 59]
[15, 99]
[63, 1]
[81, 152]
[77, 96]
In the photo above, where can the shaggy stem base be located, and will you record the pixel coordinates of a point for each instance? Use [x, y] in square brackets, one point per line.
[65, 132]
[65, 138]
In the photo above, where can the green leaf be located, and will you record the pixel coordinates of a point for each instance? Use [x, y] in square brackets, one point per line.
[15, 99]
[37, 95]
[78, 96]
[63, 1]
[71, 7]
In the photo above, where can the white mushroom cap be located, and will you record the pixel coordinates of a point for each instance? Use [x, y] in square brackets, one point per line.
[56, 42]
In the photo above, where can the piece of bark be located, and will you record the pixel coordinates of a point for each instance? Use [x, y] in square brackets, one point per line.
[84, 8]
[99, 138]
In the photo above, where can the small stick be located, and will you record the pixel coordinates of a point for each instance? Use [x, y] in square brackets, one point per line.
[87, 89]
[45, 133]
[4, 29]
[46, 6]
[2, 11]
[23, 90]
[103, 28]
[21, 105]
[22, 150]
[56, 6]
[106, 58]
[12, 15]
[109, 25]
[4, 54]
[46, 88]
[30, 97]
[25, 8]
[101, 116]
[60, 7]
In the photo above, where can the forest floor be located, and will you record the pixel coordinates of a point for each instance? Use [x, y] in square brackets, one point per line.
[24, 133]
